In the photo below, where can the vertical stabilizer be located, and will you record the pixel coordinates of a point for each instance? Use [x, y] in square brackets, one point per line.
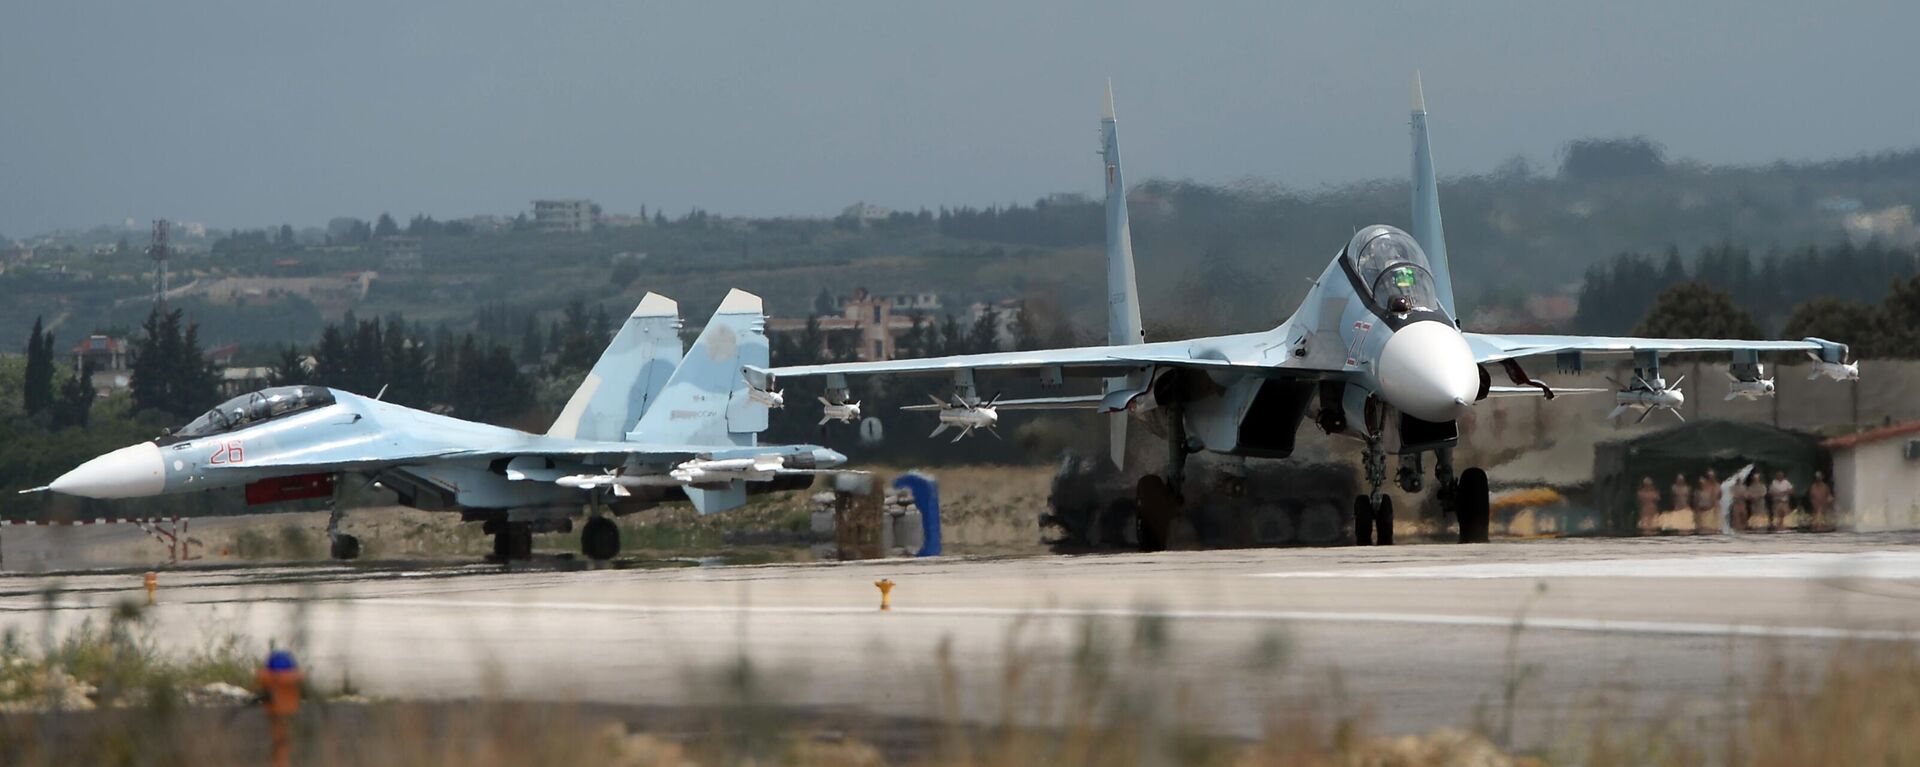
[628, 377]
[705, 402]
[1426, 206]
[1123, 294]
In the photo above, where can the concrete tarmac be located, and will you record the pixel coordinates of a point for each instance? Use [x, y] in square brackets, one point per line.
[1544, 633]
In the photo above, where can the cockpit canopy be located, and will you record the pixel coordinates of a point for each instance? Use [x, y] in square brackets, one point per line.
[249, 409]
[1394, 269]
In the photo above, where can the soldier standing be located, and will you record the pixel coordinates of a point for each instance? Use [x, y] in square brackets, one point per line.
[1649, 498]
[1704, 508]
[1780, 497]
[1820, 498]
[1679, 494]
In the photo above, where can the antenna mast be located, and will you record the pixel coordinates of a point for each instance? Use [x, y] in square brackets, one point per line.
[159, 252]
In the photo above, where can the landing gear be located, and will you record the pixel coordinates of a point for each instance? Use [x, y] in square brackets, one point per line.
[1159, 499]
[511, 541]
[343, 546]
[1372, 521]
[1471, 506]
[1373, 512]
[1158, 505]
[340, 545]
[600, 539]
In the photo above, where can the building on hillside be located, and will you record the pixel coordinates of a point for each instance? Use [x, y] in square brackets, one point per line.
[870, 324]
[864, 213]
[111, 358]
[575, 216]
[1876, 478]
[1005, 311]
[1888, 226]
[400, 253]
[235, 381]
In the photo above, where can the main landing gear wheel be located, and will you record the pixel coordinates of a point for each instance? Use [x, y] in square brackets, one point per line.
[1472, 506]
[1157, 508]
[600, 539]
[513, 540]
[343, 546]
[1362, 521]
[1372, 523]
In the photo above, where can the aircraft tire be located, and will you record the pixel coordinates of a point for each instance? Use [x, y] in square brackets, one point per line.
[1156, 508]
[600, 539]
[1472, 506]
[344, 547]
[1383, 522]
[1362, 521]
[520, 540]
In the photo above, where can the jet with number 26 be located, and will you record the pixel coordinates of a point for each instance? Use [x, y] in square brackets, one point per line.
[1375, 353]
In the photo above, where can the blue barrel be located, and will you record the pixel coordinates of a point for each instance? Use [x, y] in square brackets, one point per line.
[926, 497]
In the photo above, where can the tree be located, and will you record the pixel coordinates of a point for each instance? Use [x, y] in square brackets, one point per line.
[1899, 326]
[386, 226]
[75, 404]
[984, 337]
[285, 239]
[37, 391]
[1696, 310]
[169, 373]
[531, 346]
[1026, 337]
[823, 303]
[1852, 322]
[289, 369]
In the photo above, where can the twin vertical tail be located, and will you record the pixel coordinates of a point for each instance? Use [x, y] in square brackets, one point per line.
[1123, 295]
[628, 377]
[706, 401]
[1427, 229]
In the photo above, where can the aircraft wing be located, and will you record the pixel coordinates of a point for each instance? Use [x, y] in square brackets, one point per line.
[1488, 347]
[1244, 354]
[369, 456]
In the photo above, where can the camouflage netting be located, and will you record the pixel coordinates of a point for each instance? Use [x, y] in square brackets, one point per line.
[1724, 446]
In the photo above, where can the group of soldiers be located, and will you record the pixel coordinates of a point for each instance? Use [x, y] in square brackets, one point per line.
[1752, 497]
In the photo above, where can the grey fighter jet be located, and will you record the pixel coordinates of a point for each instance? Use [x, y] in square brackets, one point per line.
[644, 427]
[1375, 353]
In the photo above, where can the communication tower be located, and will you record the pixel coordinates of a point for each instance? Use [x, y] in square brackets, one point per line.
[159, 252]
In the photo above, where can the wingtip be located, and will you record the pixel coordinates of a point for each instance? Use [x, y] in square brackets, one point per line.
[740, 302]
[1106, 111]
[656, 305]
[1419, 97]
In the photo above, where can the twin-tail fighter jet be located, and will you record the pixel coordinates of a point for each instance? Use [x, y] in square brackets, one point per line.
[647, 425]
[1376, 353]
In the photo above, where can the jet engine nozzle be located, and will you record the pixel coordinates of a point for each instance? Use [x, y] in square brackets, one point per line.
[1427, 371]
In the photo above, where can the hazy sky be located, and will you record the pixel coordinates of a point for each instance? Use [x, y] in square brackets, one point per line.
[256, 112]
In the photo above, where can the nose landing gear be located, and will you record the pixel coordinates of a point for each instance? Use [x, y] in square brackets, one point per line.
[1465, 497]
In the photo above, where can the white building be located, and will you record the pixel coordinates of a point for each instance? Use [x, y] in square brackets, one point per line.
[563, 215]
[1876, 478]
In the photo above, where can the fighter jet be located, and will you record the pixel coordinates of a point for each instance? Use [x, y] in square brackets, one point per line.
[644, 427]
[1375, 353]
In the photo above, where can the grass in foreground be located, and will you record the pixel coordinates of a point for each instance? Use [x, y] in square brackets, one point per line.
[104, 694]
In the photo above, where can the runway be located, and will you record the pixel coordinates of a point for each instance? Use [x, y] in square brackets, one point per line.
[1410, 638]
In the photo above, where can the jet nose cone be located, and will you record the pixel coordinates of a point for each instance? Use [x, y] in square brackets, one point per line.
[826, 457]
[1427, 371]
[136, 471]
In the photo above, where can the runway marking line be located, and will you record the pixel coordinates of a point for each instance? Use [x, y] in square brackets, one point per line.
[1875, 565]
[1589, 625]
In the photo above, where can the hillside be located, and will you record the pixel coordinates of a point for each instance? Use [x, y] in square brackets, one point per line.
[1211, 258]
